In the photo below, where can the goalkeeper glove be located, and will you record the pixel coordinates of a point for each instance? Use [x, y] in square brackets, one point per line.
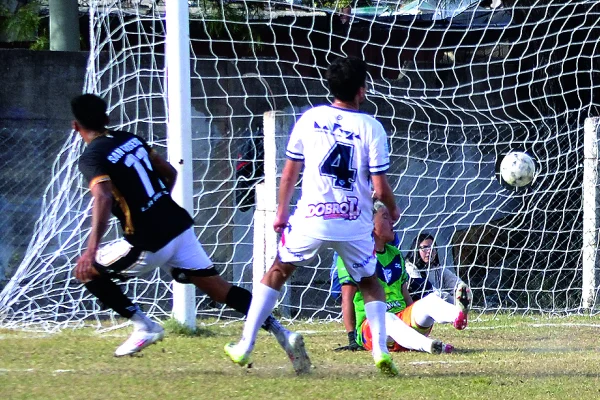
[352, 344]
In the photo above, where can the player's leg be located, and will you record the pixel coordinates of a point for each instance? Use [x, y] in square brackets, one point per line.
[432, 308]
[264, 298]
[348, 315]
[120, 259]
[360, 262]
[294, 249]
[238, 298]
[421, 342]
[375, 308]
[189, 264]
[348, 290]
[406, 336]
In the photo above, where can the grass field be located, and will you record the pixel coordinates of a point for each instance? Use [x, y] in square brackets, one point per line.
[498, 358]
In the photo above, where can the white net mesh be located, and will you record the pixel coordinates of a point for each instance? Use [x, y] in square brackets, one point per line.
[456, 84]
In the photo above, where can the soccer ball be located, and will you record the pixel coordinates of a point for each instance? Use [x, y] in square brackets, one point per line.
[517, 169]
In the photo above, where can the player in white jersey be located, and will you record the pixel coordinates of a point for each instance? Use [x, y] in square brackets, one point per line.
[343, 151]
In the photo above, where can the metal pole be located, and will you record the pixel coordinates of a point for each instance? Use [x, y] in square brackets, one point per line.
[590, 212]
[180, 134]
[64, 25]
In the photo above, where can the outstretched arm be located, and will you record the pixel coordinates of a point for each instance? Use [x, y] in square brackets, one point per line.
[102, 193]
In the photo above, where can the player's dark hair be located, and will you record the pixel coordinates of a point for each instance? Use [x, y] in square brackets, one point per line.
[90, 111]
[345, 76]
[413, 255]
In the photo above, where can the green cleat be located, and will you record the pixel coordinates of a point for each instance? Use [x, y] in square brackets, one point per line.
[240, 359]
[386, 365]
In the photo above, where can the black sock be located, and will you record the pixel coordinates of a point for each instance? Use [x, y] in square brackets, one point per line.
[111, 296]
[239, 299]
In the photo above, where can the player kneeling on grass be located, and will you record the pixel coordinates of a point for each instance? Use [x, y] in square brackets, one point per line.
[408, 323]
[130, 179]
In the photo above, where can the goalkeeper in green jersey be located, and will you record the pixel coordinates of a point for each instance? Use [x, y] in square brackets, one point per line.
[408, 323]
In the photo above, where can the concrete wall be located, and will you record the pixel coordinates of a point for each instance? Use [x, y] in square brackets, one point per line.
[35, 121]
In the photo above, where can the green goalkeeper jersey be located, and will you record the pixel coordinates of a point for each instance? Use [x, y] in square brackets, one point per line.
[391, 273]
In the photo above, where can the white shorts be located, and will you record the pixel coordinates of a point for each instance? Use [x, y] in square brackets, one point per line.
[358, 255]
[124, 260]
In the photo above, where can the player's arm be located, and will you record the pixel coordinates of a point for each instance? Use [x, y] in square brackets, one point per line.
[379, 162]
[384, 193]
[349, 290]
[348, 315]
[287, 184]
[406, 294]
[101, 210]
[167, 173]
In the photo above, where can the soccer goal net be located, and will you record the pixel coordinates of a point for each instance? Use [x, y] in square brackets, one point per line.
[457, 85]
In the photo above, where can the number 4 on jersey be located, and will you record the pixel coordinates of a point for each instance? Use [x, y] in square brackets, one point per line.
[338, 165]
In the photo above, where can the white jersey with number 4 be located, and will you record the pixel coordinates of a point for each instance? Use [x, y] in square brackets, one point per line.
[340, 149]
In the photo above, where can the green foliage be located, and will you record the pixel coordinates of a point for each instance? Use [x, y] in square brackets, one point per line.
[41, 43]
[224, 19]
[22, 26]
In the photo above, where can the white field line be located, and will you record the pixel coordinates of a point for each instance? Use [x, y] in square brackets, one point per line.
[534, 325]
[439, 362]
[114, 330]
[25, 335]
[56, 371]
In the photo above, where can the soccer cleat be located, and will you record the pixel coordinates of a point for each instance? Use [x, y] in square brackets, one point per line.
[437, 347]
[294, 347]
[460, 322]
[139, 340]
[447, 348]
[463, 302]
[386, 365]
[239, 358]
[463, 298]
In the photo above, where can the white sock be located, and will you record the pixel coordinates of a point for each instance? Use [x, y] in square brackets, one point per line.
[264, 299]
[432, 308]
[404, 335]
[141, 322]
[375, 311]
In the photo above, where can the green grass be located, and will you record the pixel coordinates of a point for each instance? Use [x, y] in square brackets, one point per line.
[501, 358]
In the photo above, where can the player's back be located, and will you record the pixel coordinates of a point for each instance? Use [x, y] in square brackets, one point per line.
[149, 216]
[340, 149]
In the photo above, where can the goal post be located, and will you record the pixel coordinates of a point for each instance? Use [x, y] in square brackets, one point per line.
[276, 127]
[179, 135]
[591, 210]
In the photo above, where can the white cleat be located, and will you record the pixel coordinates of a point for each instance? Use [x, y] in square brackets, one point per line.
[294, 347]
[139, 340]
[437, 347]
[463, 298]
